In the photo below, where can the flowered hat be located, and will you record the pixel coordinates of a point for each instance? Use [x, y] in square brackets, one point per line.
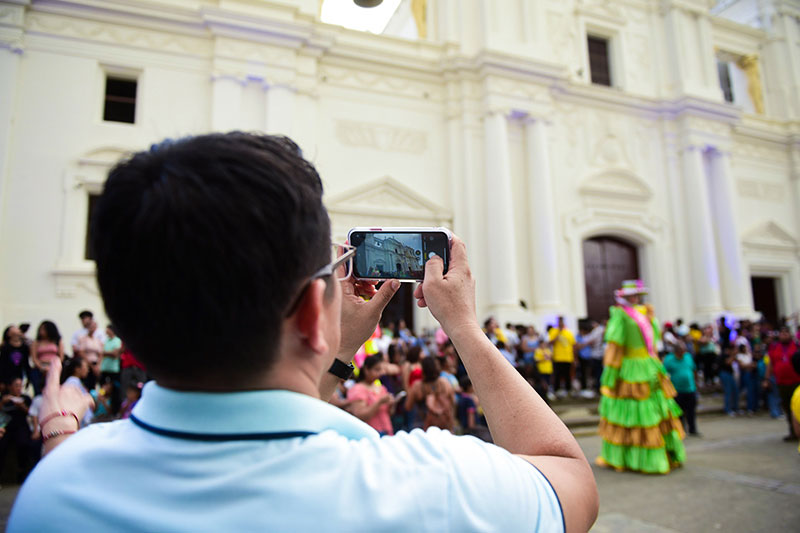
[632, 286]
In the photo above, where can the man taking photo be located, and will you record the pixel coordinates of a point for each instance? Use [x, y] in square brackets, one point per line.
[215, 264]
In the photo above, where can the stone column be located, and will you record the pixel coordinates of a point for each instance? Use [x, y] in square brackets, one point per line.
[702, 249]
[226, 101]
[543, 258]
[501, 244]
[280, 110]
[735, 276]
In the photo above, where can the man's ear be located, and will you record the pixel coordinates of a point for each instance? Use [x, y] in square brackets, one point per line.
[310, 318]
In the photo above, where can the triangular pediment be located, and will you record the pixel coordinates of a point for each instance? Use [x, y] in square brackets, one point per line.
[385, 195]
[769, 235]
[616, 183]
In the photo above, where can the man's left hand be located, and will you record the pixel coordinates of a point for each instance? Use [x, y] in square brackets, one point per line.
[359, 316]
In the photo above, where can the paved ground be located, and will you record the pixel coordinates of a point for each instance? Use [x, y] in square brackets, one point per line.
[739, 477]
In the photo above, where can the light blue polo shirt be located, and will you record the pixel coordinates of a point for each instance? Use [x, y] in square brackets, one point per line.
[275, 461]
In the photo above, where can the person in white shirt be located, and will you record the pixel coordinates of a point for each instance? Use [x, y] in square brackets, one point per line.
[214, 261]
[87, 319]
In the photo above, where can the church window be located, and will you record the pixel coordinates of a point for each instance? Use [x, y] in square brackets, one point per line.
[120, 100]
[599, 65]
[87, 248]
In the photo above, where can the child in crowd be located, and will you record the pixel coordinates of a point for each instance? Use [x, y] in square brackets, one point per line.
[469, 417]
[102, 401]
[132, 396]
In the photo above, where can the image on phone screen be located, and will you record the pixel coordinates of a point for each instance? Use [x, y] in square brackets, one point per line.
[396, 255]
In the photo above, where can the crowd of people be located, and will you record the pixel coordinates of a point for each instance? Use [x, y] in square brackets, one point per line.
[95, 362]
[404, 381]
[408, 381]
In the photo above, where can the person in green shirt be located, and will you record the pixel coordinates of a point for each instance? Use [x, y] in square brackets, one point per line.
[683, 373]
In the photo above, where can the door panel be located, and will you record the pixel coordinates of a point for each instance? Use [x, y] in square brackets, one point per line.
[607, 263]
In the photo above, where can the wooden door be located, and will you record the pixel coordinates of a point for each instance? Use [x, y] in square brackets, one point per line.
[765, 298]
[607, 261]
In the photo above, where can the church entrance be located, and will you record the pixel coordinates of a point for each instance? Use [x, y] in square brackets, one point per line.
[607, 262]
[765, 298]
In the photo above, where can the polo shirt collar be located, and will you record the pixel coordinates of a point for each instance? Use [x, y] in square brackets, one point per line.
[248, 412]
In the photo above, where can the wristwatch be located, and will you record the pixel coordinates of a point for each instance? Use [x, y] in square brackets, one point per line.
[341, 370]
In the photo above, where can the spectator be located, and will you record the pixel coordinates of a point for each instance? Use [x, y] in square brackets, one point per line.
[769, 388]
[683, 374]
[707, 355]
[412, 368]
[749, 377]
[14, 405]
[470, 418]
[369, 399]
[786, 377]
[728, 371]
[505, 352]
[86, 317]
[46, 347]
[14, 355]
[90, 348]
[595, 341]
[228, 233]
[110, 365]
[562, 341]
[544, 364]
[103, 398]
[433, 396]
[133, 394]
[528, 344]
[584, 350]
[73, 375]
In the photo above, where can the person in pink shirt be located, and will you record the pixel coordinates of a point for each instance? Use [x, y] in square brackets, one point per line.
[371, 402]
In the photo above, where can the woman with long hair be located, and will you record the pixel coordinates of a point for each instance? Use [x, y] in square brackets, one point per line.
[434, 396]
[371, 402]
[14, 354]
[46, 347]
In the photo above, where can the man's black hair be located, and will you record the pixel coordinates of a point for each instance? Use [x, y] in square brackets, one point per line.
[201, 244]
[85, 314]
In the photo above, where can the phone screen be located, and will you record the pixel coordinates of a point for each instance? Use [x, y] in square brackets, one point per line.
[397, 255]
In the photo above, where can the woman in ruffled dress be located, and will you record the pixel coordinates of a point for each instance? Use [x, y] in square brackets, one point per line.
[639, 418]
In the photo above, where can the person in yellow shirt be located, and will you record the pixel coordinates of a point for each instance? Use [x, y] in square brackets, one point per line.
[795, 406]
[544, 364]
[563, 343]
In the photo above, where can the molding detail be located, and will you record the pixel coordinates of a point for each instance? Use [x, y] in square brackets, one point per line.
[116, 34]
[381, 137]
[616, 184]
[387, 197]
[72, 281]
[769, 236]
[769, 192]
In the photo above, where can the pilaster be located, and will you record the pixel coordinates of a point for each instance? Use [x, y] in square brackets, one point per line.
[737, 294]
[542, 232]
[703, 255]
[500, 246]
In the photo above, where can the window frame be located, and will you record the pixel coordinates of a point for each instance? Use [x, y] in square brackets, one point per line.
[121, 73]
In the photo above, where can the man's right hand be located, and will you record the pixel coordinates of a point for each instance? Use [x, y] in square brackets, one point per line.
[450, 297]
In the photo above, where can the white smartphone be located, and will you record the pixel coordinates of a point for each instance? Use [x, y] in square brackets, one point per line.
[397, 253]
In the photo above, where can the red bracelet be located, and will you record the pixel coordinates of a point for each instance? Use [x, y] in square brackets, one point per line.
[57, 433]
[62, 412]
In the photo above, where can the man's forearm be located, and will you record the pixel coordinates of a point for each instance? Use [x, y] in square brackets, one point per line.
[520, 421]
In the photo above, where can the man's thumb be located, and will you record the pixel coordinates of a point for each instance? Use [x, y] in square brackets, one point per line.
[385, 293]
[434, 267]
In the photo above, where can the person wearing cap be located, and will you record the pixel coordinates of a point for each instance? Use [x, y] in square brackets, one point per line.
[639, 417]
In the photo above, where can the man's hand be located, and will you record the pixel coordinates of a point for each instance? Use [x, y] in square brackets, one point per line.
[451, 296]
[360, 317]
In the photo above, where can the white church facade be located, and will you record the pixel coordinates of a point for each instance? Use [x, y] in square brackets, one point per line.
[570, 143]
